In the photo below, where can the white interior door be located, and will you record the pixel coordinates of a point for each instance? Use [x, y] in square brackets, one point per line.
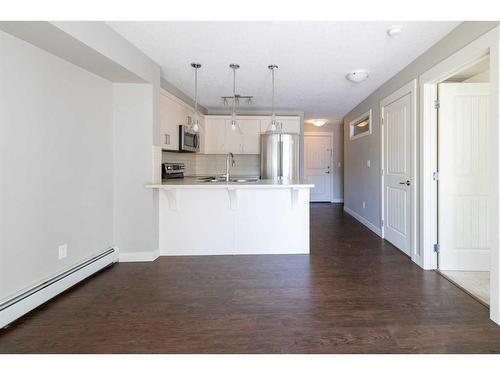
[398, 181]
[318, 159]
[464, 183]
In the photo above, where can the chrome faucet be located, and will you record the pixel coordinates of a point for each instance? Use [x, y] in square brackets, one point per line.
[229, 159]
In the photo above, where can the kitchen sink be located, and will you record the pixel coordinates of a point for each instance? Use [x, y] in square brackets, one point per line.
[212, 179]
[223, 179]
[243, 180]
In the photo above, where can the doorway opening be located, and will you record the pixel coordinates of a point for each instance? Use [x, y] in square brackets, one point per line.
[464, 185]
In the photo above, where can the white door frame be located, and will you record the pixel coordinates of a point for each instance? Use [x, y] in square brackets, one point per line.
[409, 88]
[488, 43]
[324, 134]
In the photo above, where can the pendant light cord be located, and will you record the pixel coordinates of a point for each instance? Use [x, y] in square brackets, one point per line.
[272, 102]
[234, 92]
[196, 90]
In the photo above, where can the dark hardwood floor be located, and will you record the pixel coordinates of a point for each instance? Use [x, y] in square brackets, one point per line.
[355, 293]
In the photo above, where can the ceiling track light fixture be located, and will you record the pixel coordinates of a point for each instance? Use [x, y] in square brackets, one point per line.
[273, 125]
[196, 122]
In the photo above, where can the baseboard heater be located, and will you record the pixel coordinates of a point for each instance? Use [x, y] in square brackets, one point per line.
[26, 301]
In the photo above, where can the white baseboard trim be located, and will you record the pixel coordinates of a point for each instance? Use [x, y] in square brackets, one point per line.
[338, 200]
[139, 256]
[28, 300]
[363, 221]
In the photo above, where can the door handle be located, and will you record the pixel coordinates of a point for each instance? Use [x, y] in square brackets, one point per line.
[327, 172]
[407, 183]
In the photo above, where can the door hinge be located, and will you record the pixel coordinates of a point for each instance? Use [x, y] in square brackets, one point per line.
[436, 247]
[435, 176]
[382, 222]
[437, 104]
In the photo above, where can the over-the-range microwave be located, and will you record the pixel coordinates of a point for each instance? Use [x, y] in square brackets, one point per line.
[189, 141]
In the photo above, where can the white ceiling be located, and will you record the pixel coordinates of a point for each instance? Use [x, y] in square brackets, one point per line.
[313, 58]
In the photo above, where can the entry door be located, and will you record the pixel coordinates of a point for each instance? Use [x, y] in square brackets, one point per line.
[398, 182]
[464, 210]
[318, 158]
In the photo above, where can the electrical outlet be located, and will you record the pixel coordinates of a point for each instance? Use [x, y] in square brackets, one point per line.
[368, 163]
[63, 251]
[364, 204]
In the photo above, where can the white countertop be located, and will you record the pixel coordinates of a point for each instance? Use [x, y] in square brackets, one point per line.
[195, 183]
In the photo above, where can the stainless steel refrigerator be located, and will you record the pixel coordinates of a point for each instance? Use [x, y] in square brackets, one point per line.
[279, 156]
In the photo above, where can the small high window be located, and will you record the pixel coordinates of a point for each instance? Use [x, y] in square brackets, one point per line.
[361, 126]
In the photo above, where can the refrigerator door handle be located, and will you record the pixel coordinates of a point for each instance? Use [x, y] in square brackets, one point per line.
[280, 159]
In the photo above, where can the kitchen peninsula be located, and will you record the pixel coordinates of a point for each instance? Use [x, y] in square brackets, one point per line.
[211, 218]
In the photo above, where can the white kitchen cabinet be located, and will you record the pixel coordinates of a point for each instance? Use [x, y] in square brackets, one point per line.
[234, 139]
[289, 124]
[245, 142]
[173, 112]
[219, 138]
[251, 136]
[214, 137]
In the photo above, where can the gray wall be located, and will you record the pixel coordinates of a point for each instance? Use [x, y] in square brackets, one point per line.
[56, 163]
[360, 182]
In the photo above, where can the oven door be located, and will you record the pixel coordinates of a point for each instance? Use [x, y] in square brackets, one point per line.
[188, 141]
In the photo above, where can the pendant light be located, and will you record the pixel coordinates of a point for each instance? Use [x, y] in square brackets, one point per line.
[234, 124]
[196, 122]
[273, 126]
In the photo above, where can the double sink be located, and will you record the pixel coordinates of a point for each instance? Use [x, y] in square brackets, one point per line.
[215, 179]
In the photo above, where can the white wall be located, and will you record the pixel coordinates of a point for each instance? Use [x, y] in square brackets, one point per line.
[56, 164]
[135, 207]
[360, 182]
[338, 154]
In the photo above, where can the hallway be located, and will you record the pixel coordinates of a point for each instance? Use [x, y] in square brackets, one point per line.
[355, 293]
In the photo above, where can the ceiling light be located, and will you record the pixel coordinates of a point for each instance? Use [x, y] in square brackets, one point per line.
[357, 75]
[318, 123]
[394, 30]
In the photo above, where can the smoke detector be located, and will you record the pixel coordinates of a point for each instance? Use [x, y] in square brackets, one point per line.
[357, 75]
[394, 30]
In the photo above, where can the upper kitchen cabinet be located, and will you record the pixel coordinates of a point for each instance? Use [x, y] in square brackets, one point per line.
[245, 142]
[173, 112]
[288, 124]
[219, 138]
[214, 138]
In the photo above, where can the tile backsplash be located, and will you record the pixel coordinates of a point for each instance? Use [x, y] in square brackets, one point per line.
[208, 165]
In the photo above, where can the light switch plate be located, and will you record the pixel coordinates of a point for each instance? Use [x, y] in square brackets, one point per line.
[63, 251]
[368, 163]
